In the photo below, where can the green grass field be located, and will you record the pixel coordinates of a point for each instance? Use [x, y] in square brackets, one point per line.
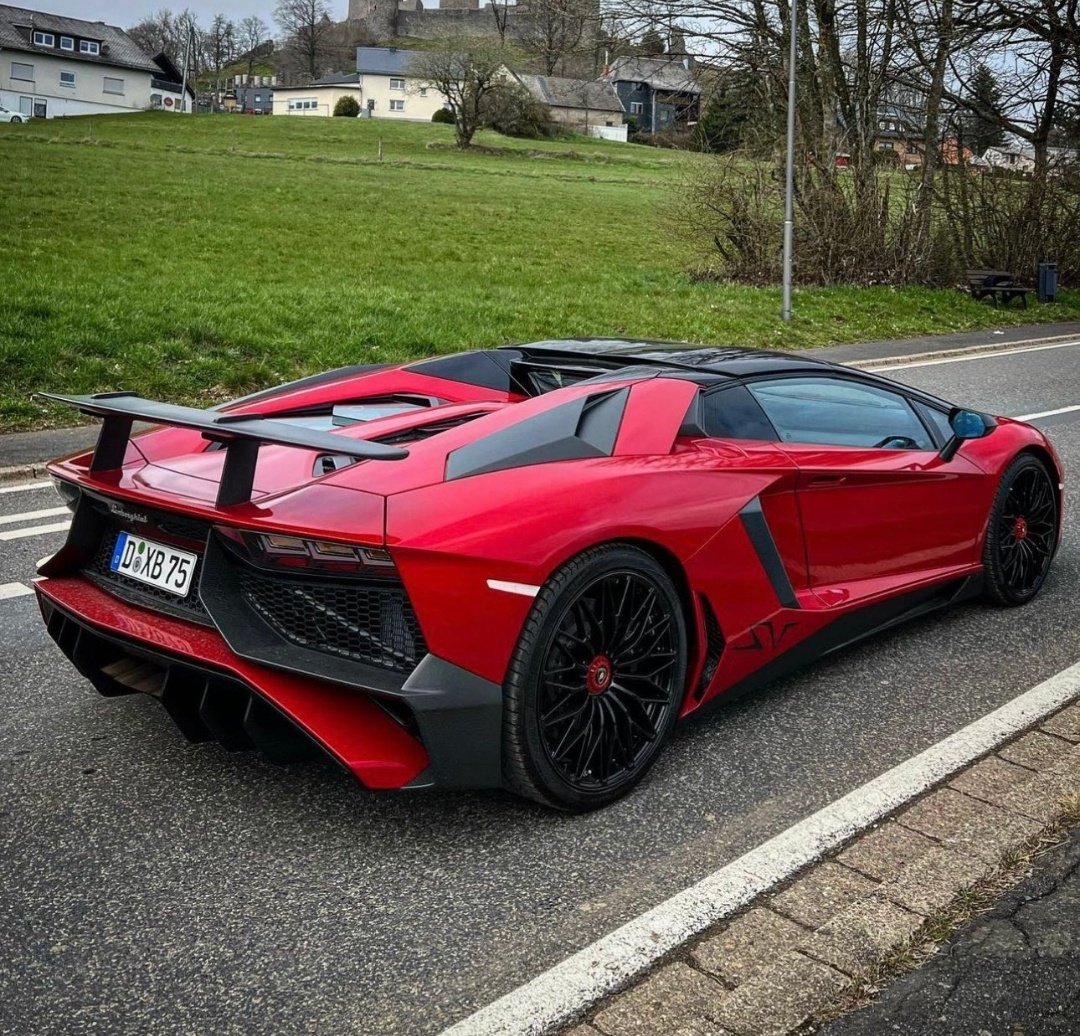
[196, 258]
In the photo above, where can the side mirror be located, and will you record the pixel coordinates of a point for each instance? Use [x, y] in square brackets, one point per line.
[966, 424]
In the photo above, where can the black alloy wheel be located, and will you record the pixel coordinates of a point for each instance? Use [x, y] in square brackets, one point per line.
[1022, 535]
[596, 682]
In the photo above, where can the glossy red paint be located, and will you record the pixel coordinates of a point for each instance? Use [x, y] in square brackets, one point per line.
[851, 528]
[354, 730]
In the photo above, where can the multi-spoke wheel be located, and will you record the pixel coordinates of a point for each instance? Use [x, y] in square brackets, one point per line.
[1022, 534]
[595, 683]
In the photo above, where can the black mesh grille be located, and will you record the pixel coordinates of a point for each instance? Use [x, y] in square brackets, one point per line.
[361, 621]
[188, 533]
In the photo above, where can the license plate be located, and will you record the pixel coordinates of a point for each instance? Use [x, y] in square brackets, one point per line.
[154, 563]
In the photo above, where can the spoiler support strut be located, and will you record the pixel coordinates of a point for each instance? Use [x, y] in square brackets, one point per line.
[241, 435]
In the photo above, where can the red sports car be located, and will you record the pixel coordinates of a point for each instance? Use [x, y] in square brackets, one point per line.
[520, 567]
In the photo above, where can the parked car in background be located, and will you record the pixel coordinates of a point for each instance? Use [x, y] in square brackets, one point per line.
[7, 115]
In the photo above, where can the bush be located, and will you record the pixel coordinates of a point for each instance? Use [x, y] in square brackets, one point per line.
[348, 107]
[512, 111]
[444, 116]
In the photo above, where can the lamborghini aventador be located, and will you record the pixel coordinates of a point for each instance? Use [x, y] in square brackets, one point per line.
[520, 567]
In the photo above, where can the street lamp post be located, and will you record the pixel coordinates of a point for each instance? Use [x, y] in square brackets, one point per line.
[789, 190]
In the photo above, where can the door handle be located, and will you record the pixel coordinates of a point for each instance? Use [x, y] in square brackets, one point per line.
[827, 480]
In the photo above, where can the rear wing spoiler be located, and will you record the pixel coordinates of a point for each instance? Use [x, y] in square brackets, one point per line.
[241, 434]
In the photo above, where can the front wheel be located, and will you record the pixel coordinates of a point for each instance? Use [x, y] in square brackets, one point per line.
[16, 119]
[1022, 533]
[595, 684]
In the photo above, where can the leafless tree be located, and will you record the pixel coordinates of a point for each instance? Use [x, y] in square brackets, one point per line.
[554, 29]
[251, 33]
[166, 33]
[218, 46]
[500, 12]
[465, 70]
[309, 29]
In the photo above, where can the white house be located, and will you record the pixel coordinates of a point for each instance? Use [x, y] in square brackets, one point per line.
[1018, 160]
[383, 84]
[51, 65]
[390, 87]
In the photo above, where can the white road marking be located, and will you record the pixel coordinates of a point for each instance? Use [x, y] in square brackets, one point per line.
[1049, 413]
[563, 992]
[525, 589]
[27, 516]
[881, 366]
[34, 530]
[26, 487]
[8, 590]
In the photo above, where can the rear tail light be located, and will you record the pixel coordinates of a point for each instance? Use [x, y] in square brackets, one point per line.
[298, 552]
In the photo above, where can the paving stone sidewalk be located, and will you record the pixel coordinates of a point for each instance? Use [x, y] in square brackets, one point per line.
[1015, 971]
[805, 947]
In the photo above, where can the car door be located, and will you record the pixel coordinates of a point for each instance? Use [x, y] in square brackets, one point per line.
[879, 506]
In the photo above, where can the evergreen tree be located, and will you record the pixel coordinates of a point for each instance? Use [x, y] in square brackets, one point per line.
[725, 120]
[983, 129]
[652, 43]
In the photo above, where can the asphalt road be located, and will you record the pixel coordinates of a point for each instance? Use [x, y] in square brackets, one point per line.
[149, 886]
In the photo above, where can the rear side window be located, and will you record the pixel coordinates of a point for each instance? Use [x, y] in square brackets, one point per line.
[840, 412]
[938, 420]
[732, 413]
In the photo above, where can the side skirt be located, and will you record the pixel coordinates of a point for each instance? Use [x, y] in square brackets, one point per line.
[849, 629]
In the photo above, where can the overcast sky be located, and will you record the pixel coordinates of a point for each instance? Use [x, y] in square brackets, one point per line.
[126, 13]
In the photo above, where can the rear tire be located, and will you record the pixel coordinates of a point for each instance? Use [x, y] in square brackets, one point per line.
[595, 684]
[1021, 534]
[16, 119]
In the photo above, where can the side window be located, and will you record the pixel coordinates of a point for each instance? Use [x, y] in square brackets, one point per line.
[732, 413]
[838, 412]
[938, 419]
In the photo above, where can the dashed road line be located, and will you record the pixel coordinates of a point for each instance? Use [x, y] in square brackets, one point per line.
[29, 516]
[34, 530]
[9, 590]
[565, 991]
[25, 487]
[1049, 413]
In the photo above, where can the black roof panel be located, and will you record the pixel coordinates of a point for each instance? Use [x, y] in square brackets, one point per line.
[730, 360]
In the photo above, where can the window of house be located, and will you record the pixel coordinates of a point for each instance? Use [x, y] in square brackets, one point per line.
[302, 104]
[885, 145]
[21, 71]
[397, 84]
[113, 86]
[44, 39]
[89, 47]
[67, 43]
[636, 108]
[397, 106]
[840, 412]
[67, 79]
[258, 98]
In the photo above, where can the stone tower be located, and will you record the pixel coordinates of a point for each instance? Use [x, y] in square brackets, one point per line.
[379, 17]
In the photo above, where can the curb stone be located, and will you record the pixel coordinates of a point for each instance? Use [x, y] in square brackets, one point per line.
[805, 948]
[22, 473]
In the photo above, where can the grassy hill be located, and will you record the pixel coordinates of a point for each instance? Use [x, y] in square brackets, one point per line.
[195, 258]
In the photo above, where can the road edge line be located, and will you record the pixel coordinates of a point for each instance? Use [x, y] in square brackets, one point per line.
[1024, 345]
[563, 992]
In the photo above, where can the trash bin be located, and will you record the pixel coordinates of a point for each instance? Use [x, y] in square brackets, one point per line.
[1048, 282]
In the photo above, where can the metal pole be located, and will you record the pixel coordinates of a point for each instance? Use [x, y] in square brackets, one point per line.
[789, 192]
[183, 77]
